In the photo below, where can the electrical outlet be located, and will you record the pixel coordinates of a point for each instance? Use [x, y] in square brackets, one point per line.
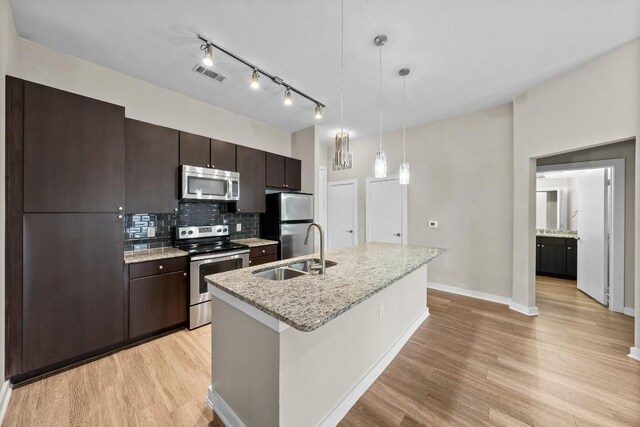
[238, 227]
[381, 312]
[433, 224]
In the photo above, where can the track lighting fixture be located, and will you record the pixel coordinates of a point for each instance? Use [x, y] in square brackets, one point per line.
[255, 80]
[287, 97]
[207, 59]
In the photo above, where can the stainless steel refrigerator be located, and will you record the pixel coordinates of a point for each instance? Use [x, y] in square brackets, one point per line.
[286, 220]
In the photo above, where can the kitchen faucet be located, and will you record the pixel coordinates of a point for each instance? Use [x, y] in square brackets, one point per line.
[306, 241]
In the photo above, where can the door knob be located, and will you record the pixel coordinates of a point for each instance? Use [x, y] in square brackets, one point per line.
[349, 231]
[397, 234]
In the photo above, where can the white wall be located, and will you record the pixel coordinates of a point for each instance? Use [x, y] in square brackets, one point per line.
[8, 42]
[595, 104]
[461, 172]
[144, 101]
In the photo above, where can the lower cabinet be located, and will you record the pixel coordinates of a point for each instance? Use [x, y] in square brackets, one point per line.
[556, 257]
[157, 302]
[263, 254]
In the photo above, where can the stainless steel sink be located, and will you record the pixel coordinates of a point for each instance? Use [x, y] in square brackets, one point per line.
[281, 273]
[305, 265]
[297, 269]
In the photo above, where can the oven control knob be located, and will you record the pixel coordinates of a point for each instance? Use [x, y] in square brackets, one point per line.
[190, 231]
[183, 232]
[219, 230]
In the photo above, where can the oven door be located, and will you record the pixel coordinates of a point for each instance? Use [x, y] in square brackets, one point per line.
[209, 184]
[206, 265]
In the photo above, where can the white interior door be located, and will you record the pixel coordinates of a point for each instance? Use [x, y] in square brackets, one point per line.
[592, 231]
[322, 200]
[342, 203]
[384, 211]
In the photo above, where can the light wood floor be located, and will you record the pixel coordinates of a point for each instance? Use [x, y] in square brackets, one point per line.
[471, 363]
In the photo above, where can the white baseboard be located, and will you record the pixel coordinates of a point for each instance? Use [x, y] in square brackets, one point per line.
[223, 410]
[634, 353]
[469, 293]
[529, 311]
[5, 397]
[342, 407]
[629, 311]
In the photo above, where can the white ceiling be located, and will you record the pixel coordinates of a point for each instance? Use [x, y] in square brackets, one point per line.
[464, 55]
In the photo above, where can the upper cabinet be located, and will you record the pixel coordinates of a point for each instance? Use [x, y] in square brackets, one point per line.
[293, 174]
[194, 150]
[223, 155]
[203, 152]
[73, 152]
[251, 166]
[151, 168]
[283, 172]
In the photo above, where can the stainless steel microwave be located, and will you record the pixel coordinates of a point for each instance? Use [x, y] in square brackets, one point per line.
[209, 184]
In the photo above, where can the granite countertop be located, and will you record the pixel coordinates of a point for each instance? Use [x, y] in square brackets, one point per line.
[131, 257]
[309, 301]
[561, 234]
[254, 242]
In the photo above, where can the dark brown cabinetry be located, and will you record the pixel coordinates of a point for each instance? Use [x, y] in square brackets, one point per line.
[195, 150]
[159, 301]
[73, 152]
[251, 166]
[203, 152]
[151, 168]
[223, 155]
[556, 257]
[283, 172]
[263, 254]
[73, 298]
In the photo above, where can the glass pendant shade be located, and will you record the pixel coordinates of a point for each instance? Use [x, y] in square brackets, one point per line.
[403, 175]
[380, 166]
[341, 157]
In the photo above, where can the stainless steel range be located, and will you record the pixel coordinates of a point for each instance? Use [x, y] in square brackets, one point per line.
[210, 251]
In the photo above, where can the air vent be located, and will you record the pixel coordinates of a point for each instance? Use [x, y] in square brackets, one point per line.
[209, 73]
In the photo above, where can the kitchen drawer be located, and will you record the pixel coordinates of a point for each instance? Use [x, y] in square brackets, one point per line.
[260, 251]
[161, 266]
[262, 259]
[556, 241]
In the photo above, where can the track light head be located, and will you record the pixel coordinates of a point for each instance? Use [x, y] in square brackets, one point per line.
[207, 59]
[255, 80]
[287, 97]
[318, 112]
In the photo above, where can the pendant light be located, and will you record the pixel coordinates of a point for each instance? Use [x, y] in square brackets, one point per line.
[341, 155]
[380, 165]
[403, 174]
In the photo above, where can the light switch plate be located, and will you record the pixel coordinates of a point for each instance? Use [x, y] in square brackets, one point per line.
[433, 224]
[238, 227]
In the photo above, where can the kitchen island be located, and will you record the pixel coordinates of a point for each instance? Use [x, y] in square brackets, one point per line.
[301, 351]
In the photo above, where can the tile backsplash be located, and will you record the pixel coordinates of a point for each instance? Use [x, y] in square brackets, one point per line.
[136, 231]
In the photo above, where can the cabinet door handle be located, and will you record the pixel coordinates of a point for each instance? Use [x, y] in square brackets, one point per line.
[160, 267]
[264, 251]
[569, 248]
[175, 209]
[349, 231]
[184, 274]
[120, 208]
[397, 234]
[208, 166]
[542, 246]
[119, 216]
[249, 262]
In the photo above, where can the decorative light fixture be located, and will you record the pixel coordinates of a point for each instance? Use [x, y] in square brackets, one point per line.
[380, 165]
[318, 112]
[287, 97]
[207, 59]
[255, 80]
[341, 155]
[403, 174]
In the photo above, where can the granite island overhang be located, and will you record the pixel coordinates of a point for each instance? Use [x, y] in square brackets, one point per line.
[302, 351]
